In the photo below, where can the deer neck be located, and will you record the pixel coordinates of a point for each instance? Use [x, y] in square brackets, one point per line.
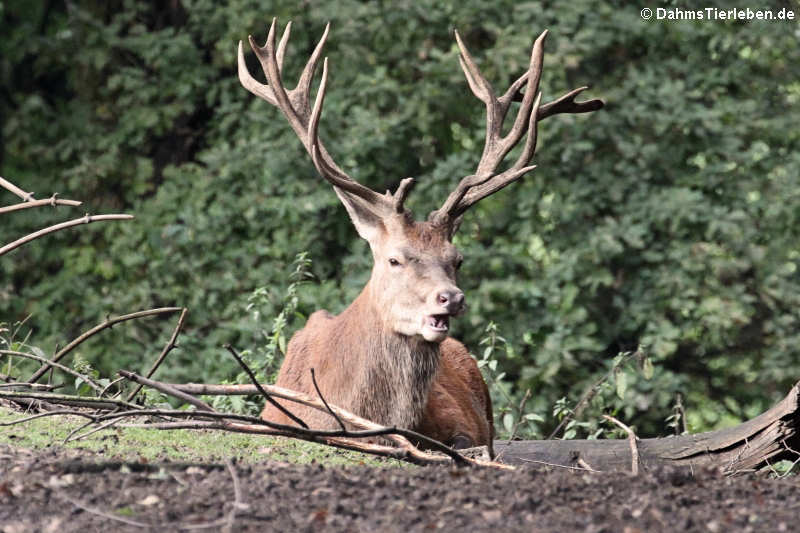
[395, 372]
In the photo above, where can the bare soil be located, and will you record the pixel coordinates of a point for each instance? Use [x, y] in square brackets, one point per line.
[60, 490]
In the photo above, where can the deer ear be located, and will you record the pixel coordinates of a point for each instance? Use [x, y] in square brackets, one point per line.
[367, 221]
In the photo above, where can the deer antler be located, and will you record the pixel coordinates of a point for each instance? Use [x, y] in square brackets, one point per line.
[486, 181]
[305, 120]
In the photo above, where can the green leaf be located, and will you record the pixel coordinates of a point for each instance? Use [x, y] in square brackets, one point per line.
[621, 380]
[508, 422]
[647, 368]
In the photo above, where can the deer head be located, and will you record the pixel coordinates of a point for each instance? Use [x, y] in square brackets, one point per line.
[413, 287]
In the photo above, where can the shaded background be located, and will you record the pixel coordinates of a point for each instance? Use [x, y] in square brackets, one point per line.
[670, 219]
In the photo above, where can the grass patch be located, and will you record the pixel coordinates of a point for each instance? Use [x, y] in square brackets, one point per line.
[137, 444]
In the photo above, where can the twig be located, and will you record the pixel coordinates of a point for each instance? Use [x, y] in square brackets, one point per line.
[111, 384]
[27, 196]
[98, 328]
[42, 415]
[324, 402]
[168, 348]
[166, 389]
[89, 381]
[99, 428]
[66, 399]
[523, 459]
[582, 462]
[87, 219]
[32, 386]
[631, 440]
[52, 201]
[264, 393]
[589, 394]
[519, 421]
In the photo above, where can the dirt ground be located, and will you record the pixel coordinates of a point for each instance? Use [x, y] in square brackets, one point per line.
[63, 491]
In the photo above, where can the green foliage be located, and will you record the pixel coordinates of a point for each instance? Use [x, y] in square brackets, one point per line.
[669, 219]
[265, 356]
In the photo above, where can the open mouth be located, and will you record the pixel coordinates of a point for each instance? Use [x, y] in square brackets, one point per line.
[438, 322]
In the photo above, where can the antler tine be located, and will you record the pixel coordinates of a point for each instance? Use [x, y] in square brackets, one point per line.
[294, 104]
[473, 188]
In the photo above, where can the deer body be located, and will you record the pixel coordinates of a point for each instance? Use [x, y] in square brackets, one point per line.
[388, 357]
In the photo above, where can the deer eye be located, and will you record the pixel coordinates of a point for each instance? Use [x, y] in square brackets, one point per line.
[394, 262]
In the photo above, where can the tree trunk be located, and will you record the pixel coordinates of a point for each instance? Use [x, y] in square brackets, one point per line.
[767, 438]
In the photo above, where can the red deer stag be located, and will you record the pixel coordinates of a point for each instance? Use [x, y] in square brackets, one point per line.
[387, 357]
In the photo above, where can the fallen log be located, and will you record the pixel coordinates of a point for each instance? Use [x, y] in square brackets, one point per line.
[770, 437]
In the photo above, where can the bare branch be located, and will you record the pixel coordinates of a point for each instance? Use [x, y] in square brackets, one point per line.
[27, 196]
[261, 390]
[98, 328]
[168, 348]
[78, 221]
[324, 402]
[52, 201]
[632, 440]
[166, 389]
[89, 381]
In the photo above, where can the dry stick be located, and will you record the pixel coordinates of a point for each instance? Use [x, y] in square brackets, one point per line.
[582, 462]
[33, 386]
[588, 395]
[105, 389]
[188, 398]
[89, 381]
[264, 393]
[67, 399]
[168, 348]
[42, 415]
[88, 219]
[52, 201]
[98, 328]
[632, 440]
[27, 196]
[556, 465]
[324, 402]
[82, 436]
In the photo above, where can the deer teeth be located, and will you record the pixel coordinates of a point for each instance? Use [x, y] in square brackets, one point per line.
[438, 322]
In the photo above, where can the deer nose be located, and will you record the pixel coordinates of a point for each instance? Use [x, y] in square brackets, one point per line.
[453, 301]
